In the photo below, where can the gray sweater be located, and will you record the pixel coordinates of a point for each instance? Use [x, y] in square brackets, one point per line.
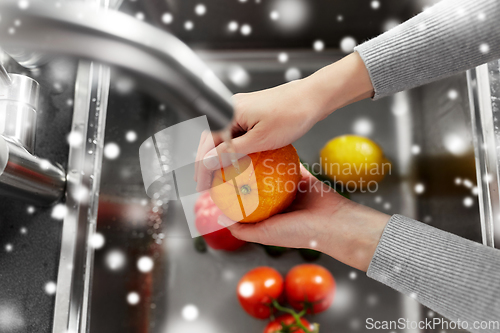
[455, 277]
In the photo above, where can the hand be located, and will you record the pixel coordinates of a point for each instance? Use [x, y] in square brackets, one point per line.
[263, 120]
[322, 220]
[273, 118]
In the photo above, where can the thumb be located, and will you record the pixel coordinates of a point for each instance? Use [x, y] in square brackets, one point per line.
[249, 232]
[243, 145]
[272, 231]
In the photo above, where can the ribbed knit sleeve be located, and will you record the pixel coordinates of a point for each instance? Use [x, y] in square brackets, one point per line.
[453, 276]
[448, 38]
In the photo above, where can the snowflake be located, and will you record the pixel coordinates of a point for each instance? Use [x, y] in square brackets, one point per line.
[140, 16]
[23, 4]
[145, 264]
[274, 15]
[111, 151]
[238, 76]
[484, 48]
[318, 45]
[363, 126]
[468, 202]
[200, 9]
[59, 211]
[115, 260]
[133, 298]
[347, 44]
[167, 18]
[190, 312]
[80, 193]
[246, 29]
[50, 288]
[246, 290]
[452, 94]
[419, 188]
[283, 57]
[131, 136]
[467, 183]
[232, 26]
[74, 139]
[188, 25]
[97, 240]
[292, 74]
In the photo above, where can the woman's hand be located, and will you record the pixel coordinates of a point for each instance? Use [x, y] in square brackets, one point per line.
[273, 118]
[322, 220]
[263, 120]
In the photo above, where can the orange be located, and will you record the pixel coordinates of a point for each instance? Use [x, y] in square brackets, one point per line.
[264, 185]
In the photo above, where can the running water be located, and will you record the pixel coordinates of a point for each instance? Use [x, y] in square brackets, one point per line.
[228, 140]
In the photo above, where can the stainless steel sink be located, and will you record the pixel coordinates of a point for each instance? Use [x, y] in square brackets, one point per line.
[425, 132]
[440, 139]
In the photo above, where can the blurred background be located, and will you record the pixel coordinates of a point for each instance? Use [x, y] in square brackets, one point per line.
[147, 273]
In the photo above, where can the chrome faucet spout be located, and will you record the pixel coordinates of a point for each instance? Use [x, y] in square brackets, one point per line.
[29, 178]
[114, 38]
[23, 175]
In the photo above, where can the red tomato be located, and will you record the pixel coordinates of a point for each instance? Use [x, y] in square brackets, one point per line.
[310, 285]
[203, 201]
[276, 325]
[257, 289]
[217, 237]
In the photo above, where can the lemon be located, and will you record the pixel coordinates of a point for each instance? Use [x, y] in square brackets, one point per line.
[354, 161]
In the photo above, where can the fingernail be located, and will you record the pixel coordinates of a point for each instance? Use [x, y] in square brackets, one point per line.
[211, 161]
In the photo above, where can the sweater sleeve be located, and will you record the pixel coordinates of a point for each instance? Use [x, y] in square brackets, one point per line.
[446, 39]
[453, 276]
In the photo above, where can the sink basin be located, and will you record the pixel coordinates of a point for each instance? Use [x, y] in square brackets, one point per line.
[121, 261]
[426, 133]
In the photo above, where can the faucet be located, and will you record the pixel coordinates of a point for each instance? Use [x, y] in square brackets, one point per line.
[161, 64]
[110, 37]
[165, 66]
[23, 175]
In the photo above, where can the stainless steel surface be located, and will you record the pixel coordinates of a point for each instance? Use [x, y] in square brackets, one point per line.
[28, 177]
[425, 132]
[25, 176]
[25, 58]
[4, 76]
[105, 35]
[135, 226]
[84, 175]
[33, 59]
[484, 93]
[33, 232]
[18, 110]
